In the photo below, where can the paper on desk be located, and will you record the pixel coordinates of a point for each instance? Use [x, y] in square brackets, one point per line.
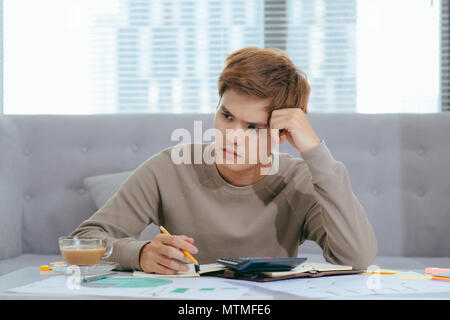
[410, 275]
[177, 288]
[353, 285]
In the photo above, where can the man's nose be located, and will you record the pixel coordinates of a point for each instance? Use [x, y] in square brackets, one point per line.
[235, 135]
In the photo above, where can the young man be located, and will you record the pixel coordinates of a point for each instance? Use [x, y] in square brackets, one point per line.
[232, 207]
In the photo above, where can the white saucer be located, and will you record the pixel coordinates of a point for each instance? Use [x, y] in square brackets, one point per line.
[101, 267]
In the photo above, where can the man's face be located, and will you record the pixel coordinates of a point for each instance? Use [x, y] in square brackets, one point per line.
[241, 124]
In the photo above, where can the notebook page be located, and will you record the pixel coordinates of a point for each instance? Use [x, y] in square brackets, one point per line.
[308, 267]
[188, 274]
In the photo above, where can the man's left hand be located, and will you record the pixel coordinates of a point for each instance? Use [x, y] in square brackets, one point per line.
[296, 129]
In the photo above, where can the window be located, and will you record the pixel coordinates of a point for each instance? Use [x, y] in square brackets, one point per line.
[131, 56]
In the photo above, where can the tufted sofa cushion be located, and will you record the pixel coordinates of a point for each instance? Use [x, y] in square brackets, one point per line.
[104, 186]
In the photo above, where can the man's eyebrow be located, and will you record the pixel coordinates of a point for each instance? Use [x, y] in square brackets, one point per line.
[256, 123]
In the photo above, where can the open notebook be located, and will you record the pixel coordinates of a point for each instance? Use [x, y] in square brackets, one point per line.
[311, 267]
[305, 269]
[204, 268]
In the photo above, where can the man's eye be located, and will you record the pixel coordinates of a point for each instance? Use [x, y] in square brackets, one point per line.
[226, 115]
[252, 127]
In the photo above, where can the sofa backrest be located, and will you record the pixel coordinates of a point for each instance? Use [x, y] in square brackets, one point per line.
[12, 164]
[398, 166]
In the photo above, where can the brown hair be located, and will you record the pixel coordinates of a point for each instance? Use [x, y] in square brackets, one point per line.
[265, 73]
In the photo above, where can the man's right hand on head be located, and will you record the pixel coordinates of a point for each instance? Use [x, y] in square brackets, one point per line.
[164, 256]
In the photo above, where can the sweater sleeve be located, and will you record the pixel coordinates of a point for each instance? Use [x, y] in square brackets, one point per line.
[125, 215]
[336, 221]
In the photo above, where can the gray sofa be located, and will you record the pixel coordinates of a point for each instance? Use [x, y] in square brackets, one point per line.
[399, 166]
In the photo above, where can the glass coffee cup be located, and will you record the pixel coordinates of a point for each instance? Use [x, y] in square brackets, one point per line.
[84, 251]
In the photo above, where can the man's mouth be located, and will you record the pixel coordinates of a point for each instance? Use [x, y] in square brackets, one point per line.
[230, 153]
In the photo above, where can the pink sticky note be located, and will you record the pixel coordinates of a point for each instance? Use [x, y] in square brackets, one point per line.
[438, 271]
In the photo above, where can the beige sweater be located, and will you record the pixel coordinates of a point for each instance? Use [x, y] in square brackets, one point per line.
[309, 199]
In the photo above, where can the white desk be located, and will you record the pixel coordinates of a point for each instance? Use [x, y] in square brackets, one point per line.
[28, 275]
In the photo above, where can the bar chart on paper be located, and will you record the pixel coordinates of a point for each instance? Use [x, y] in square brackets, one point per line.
[177, 288]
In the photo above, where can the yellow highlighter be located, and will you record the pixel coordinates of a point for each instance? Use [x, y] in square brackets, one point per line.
[187, 254]
[380, 271]
[45, 268]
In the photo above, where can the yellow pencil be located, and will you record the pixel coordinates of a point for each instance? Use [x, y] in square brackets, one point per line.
[196, 265]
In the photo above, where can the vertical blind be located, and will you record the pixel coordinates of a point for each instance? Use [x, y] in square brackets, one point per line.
[170, 53]
[321, 39]
[445, 56]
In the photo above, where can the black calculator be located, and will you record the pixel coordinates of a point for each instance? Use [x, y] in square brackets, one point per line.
[260, 264]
